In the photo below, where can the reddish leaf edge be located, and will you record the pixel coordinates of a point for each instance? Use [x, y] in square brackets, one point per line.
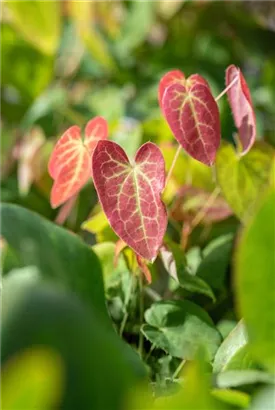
[144, 268]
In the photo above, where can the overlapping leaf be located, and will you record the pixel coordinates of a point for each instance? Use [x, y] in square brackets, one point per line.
[70, 164]
[130, 194]
[243, 179]
[242, 108]
[192, 114]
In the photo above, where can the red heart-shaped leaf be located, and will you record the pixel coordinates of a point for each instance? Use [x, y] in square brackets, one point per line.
[241, 106]
[70, 164]
[130, 194]
[168, 79]
[193, 116]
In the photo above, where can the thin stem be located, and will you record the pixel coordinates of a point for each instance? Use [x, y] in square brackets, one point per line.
[150, 352]
[126, 314]
[178, 369]
[226, 89]
[173, 165]
[141, 311]
[200, 215]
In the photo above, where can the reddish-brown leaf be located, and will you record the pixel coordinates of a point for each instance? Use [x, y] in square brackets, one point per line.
[193, 116]
[70, 164]
[168, 79]
[130, 194]
[242, 108]
[192, 200]
[120, 245]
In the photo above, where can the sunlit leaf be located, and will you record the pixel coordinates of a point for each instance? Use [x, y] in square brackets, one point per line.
[233, 397]
[235, 378]
[242, 108]
[244, 179]
[236, 339]
[70, 163]
[192, 114]
[130, 195]
[39, 22]
[254, 280]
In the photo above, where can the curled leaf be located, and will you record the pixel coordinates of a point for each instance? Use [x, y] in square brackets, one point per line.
[144, 269]
[130, 194]
[192, 114]
[70, 164]
[241, 106]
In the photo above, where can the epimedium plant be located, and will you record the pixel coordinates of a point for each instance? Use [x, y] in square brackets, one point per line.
[130, 190]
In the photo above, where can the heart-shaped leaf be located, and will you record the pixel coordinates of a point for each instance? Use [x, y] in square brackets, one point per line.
[193, 116]
[242, 179]
[241, 106]
[168, 79]
[70, 164]
[130, 194]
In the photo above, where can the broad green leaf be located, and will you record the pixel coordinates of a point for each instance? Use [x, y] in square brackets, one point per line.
[254, 279]
[39, 22]
[57, 253]
[54, 318]
[235, 378]
[216, 258]
[232, 397]
[32, 380]
[175, 264]
[181, 328]
[230, 347]
[244, 179]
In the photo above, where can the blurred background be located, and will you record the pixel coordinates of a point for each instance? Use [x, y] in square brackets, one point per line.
[65, 62]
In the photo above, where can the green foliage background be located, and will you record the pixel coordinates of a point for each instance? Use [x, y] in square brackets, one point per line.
[202, 335]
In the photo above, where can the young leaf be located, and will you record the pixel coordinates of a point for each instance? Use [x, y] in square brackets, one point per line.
[130, 194]
[144, 269]
[168, 79]
[242, 108]
[70, 164]
[193, 116]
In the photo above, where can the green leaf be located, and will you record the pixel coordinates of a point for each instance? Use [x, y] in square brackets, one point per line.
[39, 22]
[128, 134]
[175, 263]
[254, 279]
[227, 356]
[235, 378]
[233, 397]
[216, 258]
[244, 179]
[106, 254]
[49, 316]
[32, 380]
[181, 328]
[99, 226]
[57, 253]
